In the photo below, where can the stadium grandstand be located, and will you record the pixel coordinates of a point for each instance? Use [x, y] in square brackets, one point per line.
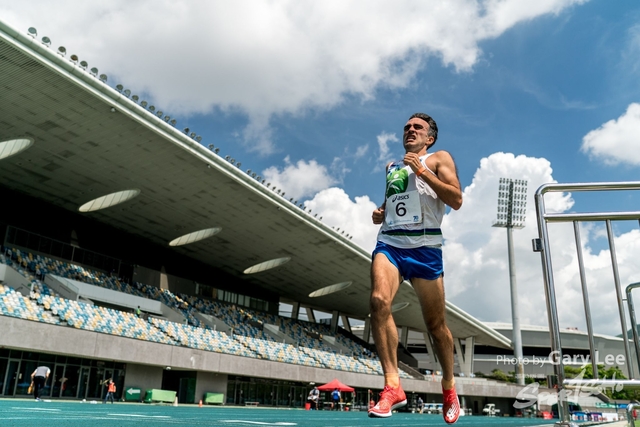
[133, 250]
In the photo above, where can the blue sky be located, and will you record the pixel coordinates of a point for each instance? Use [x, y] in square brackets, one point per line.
[313, 96]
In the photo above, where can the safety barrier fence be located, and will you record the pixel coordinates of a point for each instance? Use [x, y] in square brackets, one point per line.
[542, 245]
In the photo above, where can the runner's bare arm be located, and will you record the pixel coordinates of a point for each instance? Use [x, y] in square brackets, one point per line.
[378, 213]
[445, 183]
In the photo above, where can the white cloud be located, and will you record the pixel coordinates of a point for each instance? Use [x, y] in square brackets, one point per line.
[361, 151]
[354, 216]
[383, 145]
[299, 180]
[616, 141]
[266, 58]
[476, 260]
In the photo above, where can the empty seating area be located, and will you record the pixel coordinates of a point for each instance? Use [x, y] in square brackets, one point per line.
[340, 362]
[13, 304]
[279, 352]
[85, 316]
[248, 338]
[202, 339]
[40, 266]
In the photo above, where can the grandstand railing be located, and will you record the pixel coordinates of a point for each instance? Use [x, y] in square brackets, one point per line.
[542, 245]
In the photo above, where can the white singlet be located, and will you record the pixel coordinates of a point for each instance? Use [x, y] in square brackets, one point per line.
[413, 211]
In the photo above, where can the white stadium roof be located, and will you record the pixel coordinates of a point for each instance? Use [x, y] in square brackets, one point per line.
[85, 144]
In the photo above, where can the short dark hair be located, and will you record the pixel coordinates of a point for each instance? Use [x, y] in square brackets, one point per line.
[433, 127]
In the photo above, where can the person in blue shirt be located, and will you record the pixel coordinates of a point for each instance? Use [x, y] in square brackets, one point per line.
[335, 397]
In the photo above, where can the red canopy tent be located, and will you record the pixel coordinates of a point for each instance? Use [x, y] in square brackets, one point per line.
[335, 384]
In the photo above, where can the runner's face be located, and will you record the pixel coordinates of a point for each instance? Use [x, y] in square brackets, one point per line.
[415, 137]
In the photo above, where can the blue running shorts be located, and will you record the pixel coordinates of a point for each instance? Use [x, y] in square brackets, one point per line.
[423, 263]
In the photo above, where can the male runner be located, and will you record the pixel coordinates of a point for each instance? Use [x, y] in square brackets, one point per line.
[410, 247]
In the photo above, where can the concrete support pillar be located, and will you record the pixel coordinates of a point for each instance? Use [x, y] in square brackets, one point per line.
[334, 321]
[404, 336]
[310, 315]
[469, 354]
[465, 359]
[345, 322]
[459, 356]
[366, 332]
[295, 310]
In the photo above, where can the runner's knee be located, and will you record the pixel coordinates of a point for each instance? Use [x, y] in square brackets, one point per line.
[380, 304]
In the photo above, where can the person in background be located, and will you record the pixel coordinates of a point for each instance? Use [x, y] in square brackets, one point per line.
[39, 379]
[335, 397]
[111, 391]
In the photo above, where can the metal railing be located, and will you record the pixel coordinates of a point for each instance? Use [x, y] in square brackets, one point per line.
[541, 244]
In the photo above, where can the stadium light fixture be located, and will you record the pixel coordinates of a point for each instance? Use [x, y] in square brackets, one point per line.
[210, 146]
[119, 88]
[192, 134]
[109, 200]
[62, 50]
[103, 78]
[248, 171]
[32, 32]
[94, 71]
[186, 130]
[512, 204]
[267, 265]
[46, 41]
[238, 165]
[152, 108]
[135, 98]
[127, 93]
[159, 113]
[74, 58]
[14, 146]
[196, 236]
[253, 175]
[327, 290]
[217, 150]
[399, 306]
[143, 104]
[173, 122]
[84, 64]
[198, 138]
[167, 118]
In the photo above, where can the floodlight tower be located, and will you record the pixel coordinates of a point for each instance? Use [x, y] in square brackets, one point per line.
[512, 204]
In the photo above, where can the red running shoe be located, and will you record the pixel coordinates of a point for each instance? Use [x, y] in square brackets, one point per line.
[390, 398]
[451, 406]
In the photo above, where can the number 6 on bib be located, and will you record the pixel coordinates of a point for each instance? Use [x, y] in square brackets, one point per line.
[403, 208]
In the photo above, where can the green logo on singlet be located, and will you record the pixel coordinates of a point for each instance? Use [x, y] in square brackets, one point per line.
[397, 181]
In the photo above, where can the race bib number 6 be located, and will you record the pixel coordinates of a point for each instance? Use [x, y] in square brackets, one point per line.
[403, 208]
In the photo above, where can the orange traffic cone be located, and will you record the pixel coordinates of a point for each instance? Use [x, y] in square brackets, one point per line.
[200, 404]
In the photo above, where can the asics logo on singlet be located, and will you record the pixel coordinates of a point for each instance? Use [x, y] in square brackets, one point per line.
[403, 197]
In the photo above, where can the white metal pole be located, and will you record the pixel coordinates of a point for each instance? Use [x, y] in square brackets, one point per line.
[516, 334]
